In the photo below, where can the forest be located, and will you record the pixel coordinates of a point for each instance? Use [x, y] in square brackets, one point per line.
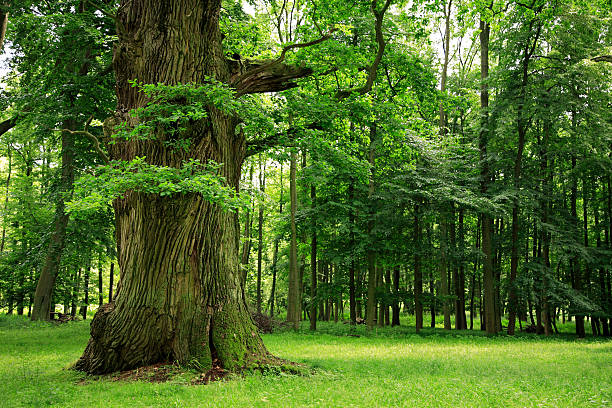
[306, 202]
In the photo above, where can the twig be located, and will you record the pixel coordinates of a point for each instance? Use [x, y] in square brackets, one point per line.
[101, 10]
[90, 136]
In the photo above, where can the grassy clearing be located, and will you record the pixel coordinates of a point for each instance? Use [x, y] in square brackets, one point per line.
[393, 367]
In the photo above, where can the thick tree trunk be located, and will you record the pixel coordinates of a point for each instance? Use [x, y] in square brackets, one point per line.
[181, 294]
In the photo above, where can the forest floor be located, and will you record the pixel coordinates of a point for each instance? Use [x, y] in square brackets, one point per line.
[392, 367]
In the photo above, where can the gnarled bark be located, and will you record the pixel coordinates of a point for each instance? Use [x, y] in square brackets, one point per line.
[181, 295]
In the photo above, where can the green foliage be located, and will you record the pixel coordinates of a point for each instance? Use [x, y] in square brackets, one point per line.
[95, 191]
[170, 108]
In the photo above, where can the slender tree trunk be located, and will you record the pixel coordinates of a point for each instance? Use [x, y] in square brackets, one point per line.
[85, 304]
[293, 306]
[51, 264]
[21, 278]
[75, 293]
[387, 289]
[608, 244]
[587, 266]
[275, 253]
[443, 123]
[603, 298]
[460, 282]
[246, 245]
[326, 302]
[522, 126]
[110, 283]
[395, 321]
[576, 278]
[371, 255]
[262, 189]
[336, 300]
[352, 300]
[473, 280]
[497, 268]
[487, 222]
[418, 273]
[4, 15]
[432, 293]
[9, 158]
[359, 293]
[50, 267]
[100, 291]
[546, 184]
[380, 288]
[313, 260]
[302, 261]
[443, 290]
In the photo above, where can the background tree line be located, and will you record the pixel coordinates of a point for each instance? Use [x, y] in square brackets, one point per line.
[449, 160]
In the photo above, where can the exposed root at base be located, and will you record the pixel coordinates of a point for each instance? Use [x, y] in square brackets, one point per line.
[163, 372]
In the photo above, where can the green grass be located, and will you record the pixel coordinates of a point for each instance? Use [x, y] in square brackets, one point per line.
[388, 368]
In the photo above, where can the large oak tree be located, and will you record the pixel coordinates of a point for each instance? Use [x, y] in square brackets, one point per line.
[180, 295]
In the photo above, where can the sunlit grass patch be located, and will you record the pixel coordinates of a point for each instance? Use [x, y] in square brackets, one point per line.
[391, 367]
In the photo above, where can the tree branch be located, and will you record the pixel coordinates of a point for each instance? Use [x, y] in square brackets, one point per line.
[102, 10]
[380, 40]
[272, 76]
[602, 58]
[7, 125]
[90, 136]
[260, 145]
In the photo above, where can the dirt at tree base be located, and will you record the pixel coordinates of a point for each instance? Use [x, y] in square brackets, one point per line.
[164, 372]
[156, 373]
[214, 374]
